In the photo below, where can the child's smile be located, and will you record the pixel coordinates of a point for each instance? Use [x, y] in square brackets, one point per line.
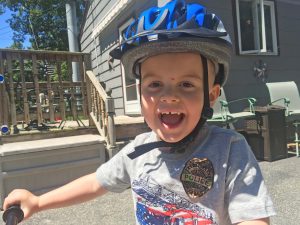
[172, 94]
[171, 119]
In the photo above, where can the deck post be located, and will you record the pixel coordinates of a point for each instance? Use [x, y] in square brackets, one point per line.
[37, 88]
[24, 91]
[111, 129]
[13, 112]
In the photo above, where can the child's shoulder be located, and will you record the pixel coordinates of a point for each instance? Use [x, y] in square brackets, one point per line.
[217, 131]
[141, 139]
[145, 138]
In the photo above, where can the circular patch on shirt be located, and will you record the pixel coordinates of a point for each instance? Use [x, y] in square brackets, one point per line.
[197, 177]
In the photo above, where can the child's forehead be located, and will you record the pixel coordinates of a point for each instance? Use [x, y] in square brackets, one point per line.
[170, 76]
[179, 56]
[183, 63]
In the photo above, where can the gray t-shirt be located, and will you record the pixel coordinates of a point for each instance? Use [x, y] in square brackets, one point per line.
[216, 180]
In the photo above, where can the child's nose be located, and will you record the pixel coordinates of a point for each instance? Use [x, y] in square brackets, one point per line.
[169, 96]
[169, 100]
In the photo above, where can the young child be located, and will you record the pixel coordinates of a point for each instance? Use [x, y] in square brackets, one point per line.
[184, 171]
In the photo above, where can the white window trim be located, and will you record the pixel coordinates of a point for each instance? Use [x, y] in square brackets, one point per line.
[115, 10]
[131, 107]
[274, 27]
[261, 50]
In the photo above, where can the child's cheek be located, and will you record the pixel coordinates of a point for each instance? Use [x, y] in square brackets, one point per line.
[146, 101]
[148, 97]
[193, 96]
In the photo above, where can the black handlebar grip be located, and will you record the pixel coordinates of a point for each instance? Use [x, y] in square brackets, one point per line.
[13, 215]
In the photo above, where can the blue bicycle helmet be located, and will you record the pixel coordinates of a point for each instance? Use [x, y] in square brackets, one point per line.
[176, 27]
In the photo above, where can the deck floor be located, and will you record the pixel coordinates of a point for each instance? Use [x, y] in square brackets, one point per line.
[69, 125]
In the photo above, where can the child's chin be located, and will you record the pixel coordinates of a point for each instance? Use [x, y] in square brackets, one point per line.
[171, 139]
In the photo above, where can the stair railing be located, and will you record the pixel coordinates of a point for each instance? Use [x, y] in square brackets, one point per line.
[102, 111]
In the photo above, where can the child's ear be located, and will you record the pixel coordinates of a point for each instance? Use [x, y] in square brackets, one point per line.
[214, 94]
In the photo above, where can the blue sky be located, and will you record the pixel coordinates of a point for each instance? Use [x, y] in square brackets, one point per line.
[5, 32]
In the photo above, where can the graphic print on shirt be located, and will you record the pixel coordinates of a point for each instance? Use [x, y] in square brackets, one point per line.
[157, 205]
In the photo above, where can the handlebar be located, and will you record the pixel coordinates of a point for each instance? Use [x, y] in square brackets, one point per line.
[13, 215]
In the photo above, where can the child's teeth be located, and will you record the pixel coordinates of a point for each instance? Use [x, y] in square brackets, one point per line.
[171, 113]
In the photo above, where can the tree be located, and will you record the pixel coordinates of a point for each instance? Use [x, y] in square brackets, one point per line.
[44, 21]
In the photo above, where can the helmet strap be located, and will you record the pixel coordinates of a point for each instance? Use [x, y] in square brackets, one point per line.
[207, 111]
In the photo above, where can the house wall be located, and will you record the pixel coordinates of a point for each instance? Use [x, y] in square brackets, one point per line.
[241, 82]
[102, 44]
[284, 67]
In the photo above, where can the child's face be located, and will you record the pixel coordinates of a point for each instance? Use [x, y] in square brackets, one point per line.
[172, 93]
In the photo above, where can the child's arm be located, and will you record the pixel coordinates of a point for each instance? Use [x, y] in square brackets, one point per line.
[77, 191]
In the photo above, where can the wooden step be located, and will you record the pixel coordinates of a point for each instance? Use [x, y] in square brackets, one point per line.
[39, 135]
[42, 165]
[127, 128]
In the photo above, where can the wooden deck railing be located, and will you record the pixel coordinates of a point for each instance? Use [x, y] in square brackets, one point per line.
[102, 111]
[37, 85]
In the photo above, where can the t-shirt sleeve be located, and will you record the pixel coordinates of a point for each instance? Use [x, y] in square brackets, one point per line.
[113, 175]
[246, 194]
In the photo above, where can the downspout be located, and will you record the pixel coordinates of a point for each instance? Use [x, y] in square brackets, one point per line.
[73, 35]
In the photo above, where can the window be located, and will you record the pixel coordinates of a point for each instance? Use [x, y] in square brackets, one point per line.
[130, 85]
[256, 23]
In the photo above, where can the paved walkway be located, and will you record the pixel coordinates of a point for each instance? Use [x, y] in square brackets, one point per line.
[283, 181]
[282, 178]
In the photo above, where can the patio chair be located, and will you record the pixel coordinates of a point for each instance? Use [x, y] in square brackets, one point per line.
[222, 115]
[286, 94]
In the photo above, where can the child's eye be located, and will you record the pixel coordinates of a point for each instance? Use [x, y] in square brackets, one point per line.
[187, 85]
[154, 84]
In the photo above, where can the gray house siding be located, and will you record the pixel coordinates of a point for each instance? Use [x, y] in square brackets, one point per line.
[103, 43]
[241, 83]
[283, 67]
[96, 11]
